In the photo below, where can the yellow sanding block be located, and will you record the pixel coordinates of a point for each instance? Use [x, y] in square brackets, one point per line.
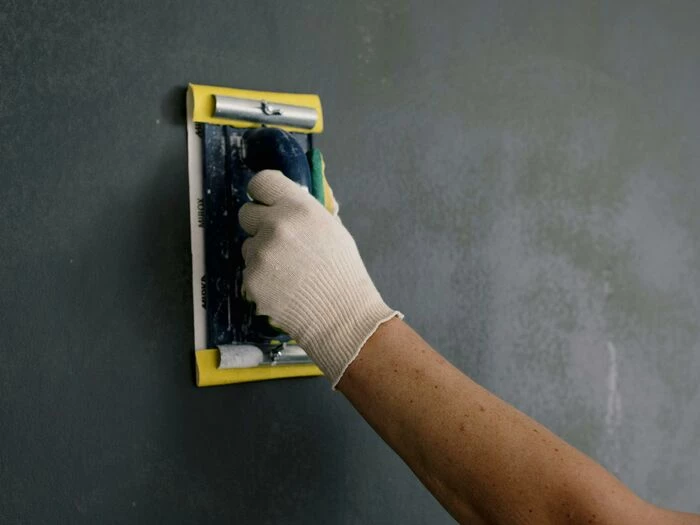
[232, 344]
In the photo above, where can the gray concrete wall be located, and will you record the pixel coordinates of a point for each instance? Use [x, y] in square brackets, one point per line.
[521, 178]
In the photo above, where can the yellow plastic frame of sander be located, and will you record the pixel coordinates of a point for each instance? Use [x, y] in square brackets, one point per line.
[200, 109]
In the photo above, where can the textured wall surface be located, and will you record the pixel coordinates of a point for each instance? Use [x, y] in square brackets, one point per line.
[522, 181]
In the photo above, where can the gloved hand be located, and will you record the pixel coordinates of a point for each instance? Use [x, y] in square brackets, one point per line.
[304, 272]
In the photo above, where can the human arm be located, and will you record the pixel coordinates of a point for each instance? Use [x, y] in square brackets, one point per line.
[485, 461]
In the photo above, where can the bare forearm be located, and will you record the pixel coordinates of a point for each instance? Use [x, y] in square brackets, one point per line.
[485, 461]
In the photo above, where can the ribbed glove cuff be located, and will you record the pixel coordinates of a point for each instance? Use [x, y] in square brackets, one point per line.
[334, 352]
[340, 310]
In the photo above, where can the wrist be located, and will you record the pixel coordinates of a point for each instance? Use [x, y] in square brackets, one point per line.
[335, 337]
[370, 352]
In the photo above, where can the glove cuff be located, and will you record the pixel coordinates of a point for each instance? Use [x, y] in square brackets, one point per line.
[335, 354]
[336, 325]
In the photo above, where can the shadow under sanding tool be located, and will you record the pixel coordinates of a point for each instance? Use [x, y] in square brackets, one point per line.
[233, 134]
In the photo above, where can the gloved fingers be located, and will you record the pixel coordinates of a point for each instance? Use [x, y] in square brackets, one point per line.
[268, 186]
[253, 282]
[244, 285]
[253, 277]
[248, 248]
[249, 216]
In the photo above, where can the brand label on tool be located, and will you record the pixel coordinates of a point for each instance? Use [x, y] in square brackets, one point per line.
[200, 213]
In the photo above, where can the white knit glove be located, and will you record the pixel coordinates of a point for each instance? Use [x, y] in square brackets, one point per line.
[304, 272]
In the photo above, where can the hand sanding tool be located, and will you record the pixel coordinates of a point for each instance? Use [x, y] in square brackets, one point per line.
[231, 135]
